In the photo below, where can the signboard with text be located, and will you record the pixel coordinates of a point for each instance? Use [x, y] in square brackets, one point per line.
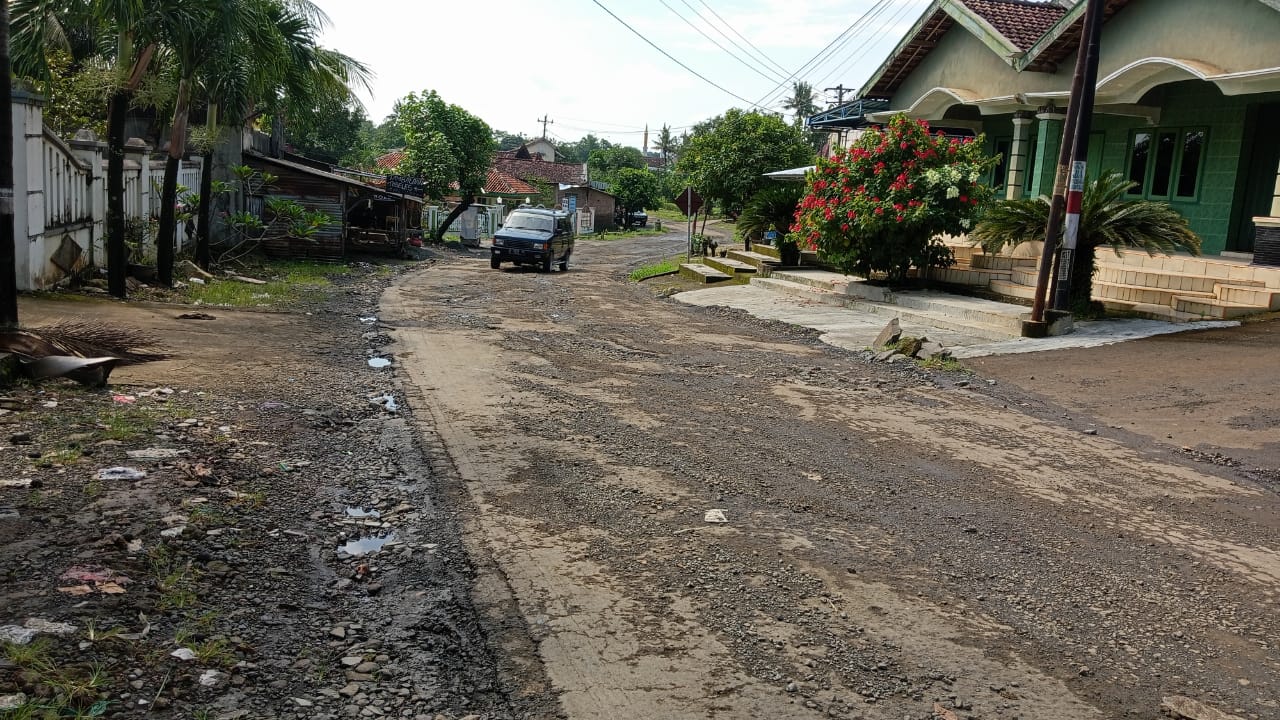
[403, 185]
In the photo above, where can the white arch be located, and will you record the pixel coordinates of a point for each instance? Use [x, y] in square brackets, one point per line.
[935, 103]
[1129, 83]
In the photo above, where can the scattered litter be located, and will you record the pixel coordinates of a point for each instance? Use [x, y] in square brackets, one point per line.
[49, 627]
[715, 516]
[155, 454]
[19, 483]
[213, 678]
[355, 512]
[93, 579]
[121, 473]
[388, 402]
[379, 362]
[134, 546]
[272, 405]
[12, 702]
[368, 320]
[249, 280]
[195, 281]
[160, 392]
[16, 635]
[196, 316]
[174, 532]
[366, 545]
[184, 654]
[8, 513]
[49, 404]
[124, 399]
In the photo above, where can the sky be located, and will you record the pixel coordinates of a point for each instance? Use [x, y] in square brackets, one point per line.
[513, 63]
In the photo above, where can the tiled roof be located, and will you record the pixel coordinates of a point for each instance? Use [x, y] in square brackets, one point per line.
[1022, 22]
[530, 170]
[391, 160]
[500, 183]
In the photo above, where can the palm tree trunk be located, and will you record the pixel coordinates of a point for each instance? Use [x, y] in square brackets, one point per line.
[206, 209]
[117, 257]
[458, 209]
[166, 238]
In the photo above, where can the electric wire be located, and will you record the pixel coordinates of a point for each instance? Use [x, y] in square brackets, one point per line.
[767, 61]
[885, 28]
[727, 51]
[770, 97]
[670, 57]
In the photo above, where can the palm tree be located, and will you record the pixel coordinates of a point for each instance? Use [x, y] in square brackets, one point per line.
[665, 144]
[81, 27]
[801, 102]
[772, 208]
[241, 52]
[1106, 218]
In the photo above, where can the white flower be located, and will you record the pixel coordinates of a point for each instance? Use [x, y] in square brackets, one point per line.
[953, 192]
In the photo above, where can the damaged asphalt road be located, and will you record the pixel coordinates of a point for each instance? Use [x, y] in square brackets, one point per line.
[898, 543]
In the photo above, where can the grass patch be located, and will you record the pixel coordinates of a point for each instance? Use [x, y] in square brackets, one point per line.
[127, 424]
[288, 282]
[73, 691]
[948, 364]
[659, 268]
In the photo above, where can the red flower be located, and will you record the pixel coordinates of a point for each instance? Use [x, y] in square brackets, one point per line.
[844, 226]
[964, 198]
[899, 218]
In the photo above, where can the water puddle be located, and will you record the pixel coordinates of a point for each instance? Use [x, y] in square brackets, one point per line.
[379, 362]
[356, 512]
[366, 545]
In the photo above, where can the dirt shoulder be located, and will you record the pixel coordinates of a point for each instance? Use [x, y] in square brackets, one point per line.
[221, 584]
[1212, 392]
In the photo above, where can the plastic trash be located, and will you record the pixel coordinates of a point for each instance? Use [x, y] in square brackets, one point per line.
[121, 473]
[387, 401]
[715, 515]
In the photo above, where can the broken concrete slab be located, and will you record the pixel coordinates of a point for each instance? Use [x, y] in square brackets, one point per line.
[889, 335]
[1184, 708]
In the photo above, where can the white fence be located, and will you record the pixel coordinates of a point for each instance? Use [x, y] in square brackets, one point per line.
[60, 197]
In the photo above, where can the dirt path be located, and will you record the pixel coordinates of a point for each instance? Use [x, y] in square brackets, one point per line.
[895, 539]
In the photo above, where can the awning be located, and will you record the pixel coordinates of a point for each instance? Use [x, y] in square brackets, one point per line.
[791, 175]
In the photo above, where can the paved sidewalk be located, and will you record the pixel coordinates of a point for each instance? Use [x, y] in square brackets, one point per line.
[856, 330]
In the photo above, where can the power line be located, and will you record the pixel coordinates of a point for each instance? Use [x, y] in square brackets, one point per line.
[727, 51]
[868, 46]
[668, 55]
[770, 96]
[759, 52]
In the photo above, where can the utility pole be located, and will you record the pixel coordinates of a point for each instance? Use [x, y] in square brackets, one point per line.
[839, 90]
[545, 122]
[8, 251]
[1079, 154]
[1037, 326]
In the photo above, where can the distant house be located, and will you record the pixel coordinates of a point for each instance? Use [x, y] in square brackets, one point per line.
[547, 176]
[591, 198]
[1188, 100]
[389, 161]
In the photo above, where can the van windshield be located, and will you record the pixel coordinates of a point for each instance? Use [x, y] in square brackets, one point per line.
[529, 221]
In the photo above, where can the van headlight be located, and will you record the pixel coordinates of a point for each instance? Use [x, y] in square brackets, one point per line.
[499, 242]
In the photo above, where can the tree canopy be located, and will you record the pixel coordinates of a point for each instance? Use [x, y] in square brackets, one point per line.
[444, 144]
[636, 189]
[605, 163]
[726, 158]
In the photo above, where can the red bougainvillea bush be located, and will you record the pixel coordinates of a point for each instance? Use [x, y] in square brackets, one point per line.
[880, 205]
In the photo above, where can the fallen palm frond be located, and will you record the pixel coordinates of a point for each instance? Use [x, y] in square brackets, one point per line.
[83, 339]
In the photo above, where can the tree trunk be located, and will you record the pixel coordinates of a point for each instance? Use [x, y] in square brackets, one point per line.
[167, 235]
[117, 254]
[453, 215]
[8, 248]
[206, 209]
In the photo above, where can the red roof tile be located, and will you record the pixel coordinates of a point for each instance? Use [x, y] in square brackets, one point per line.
[1022, 22]
[500, 183]
[391, 160]
[530, 170]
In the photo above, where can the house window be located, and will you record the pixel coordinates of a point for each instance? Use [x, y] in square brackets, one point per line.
[1166, 163]
[1000, 173]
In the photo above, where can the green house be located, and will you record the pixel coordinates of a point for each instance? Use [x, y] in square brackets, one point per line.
[1188, 100]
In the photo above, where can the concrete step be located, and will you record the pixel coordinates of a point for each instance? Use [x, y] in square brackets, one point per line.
[703, 273]
[1010, 288]
[730, 266]
[759, 260]
[1142, 294]
[1213, 308]
[1152, 312]
[836, 282]
[1025, 275]
[1160, 279]
[1261, 297]
[976, 277]
[968, 316]
[767, 250]
[1001, 262]
[1236, 273]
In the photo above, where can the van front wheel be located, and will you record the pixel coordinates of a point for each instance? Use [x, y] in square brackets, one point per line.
[494, 262]
[546, 263]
